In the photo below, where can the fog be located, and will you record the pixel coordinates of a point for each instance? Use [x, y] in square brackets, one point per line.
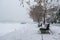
[11, 11]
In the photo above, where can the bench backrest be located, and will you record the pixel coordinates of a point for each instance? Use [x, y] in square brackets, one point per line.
[48, 25]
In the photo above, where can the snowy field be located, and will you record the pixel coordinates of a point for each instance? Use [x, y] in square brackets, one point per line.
[28, 31]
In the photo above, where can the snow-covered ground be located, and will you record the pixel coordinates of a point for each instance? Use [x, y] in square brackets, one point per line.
[28, 31]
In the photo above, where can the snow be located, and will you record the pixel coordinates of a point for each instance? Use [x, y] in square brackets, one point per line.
[28, 31]
[11, 11]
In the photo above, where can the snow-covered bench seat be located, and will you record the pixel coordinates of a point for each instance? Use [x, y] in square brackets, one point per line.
[45, 30]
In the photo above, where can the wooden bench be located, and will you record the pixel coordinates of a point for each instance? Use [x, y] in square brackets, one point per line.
[45, 30]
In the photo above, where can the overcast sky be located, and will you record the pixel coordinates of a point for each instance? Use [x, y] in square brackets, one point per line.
[10, 10]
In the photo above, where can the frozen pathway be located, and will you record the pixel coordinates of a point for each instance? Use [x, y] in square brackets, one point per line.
[17, 31]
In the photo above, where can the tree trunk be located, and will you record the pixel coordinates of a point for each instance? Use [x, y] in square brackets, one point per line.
[44, 18]
[38, 22]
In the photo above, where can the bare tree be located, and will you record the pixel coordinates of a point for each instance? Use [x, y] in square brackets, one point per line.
[36, 13]
[43, 8]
